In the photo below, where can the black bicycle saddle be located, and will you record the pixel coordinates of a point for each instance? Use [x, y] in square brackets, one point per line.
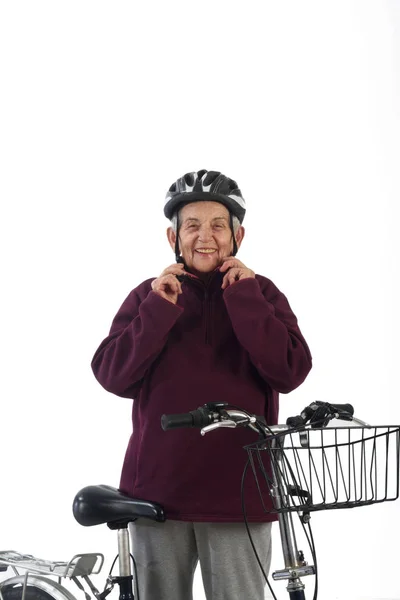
[97, 504]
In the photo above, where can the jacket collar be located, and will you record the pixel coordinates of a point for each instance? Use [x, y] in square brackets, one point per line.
[214, 281]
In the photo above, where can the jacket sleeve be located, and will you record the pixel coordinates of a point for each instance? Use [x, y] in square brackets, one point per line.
[266, 327]
[138, 334]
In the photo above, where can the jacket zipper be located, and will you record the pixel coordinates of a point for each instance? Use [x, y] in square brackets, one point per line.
[206, 312]
[206, 315]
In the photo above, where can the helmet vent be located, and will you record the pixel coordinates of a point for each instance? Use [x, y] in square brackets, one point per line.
[211, 176]
[189, 179]
[233, 185]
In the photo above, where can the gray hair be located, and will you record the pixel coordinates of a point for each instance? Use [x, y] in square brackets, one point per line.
[174, 221]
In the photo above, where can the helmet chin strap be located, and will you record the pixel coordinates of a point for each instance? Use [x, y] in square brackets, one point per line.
[235, 248]
[179, 258]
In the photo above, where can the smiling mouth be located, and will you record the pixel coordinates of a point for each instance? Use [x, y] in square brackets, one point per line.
[209, 251]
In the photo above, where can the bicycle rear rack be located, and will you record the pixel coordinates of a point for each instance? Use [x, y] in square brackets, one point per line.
[80, 565]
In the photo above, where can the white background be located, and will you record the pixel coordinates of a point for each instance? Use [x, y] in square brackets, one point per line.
[103, 106]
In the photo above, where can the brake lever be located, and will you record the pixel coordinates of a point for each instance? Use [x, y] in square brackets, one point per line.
[229, 423]
[217, 425]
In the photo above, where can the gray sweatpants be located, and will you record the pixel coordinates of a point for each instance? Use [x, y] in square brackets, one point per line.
[167, 553]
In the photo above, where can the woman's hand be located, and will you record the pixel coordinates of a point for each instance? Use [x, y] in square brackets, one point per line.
[167, 285]
[236, 271]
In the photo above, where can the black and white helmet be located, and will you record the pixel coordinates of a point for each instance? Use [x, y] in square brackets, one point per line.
[205, 185]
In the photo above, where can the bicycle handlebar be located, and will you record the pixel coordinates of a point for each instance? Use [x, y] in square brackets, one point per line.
[214, 415]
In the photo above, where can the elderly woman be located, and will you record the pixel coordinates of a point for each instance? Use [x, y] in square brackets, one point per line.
[207, 329]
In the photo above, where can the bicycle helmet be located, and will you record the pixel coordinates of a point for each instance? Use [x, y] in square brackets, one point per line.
[204, 185]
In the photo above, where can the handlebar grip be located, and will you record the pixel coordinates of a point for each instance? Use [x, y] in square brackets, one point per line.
[176, 421]
[195, 418]
[295, 421]
[348, 408]
[300, 419]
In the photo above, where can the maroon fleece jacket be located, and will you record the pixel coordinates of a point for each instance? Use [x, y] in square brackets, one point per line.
[240, 345]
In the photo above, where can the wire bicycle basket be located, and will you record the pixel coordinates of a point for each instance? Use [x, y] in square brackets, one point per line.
[327, 468]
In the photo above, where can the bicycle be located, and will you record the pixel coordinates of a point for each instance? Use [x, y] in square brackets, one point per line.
[292, 487]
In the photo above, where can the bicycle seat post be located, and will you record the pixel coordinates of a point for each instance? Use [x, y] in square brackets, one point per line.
[124, 579]
[124, 553]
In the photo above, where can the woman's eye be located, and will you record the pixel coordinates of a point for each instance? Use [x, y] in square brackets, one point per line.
[193, 226]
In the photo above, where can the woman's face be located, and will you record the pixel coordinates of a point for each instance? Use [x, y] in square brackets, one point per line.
[205, 237]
